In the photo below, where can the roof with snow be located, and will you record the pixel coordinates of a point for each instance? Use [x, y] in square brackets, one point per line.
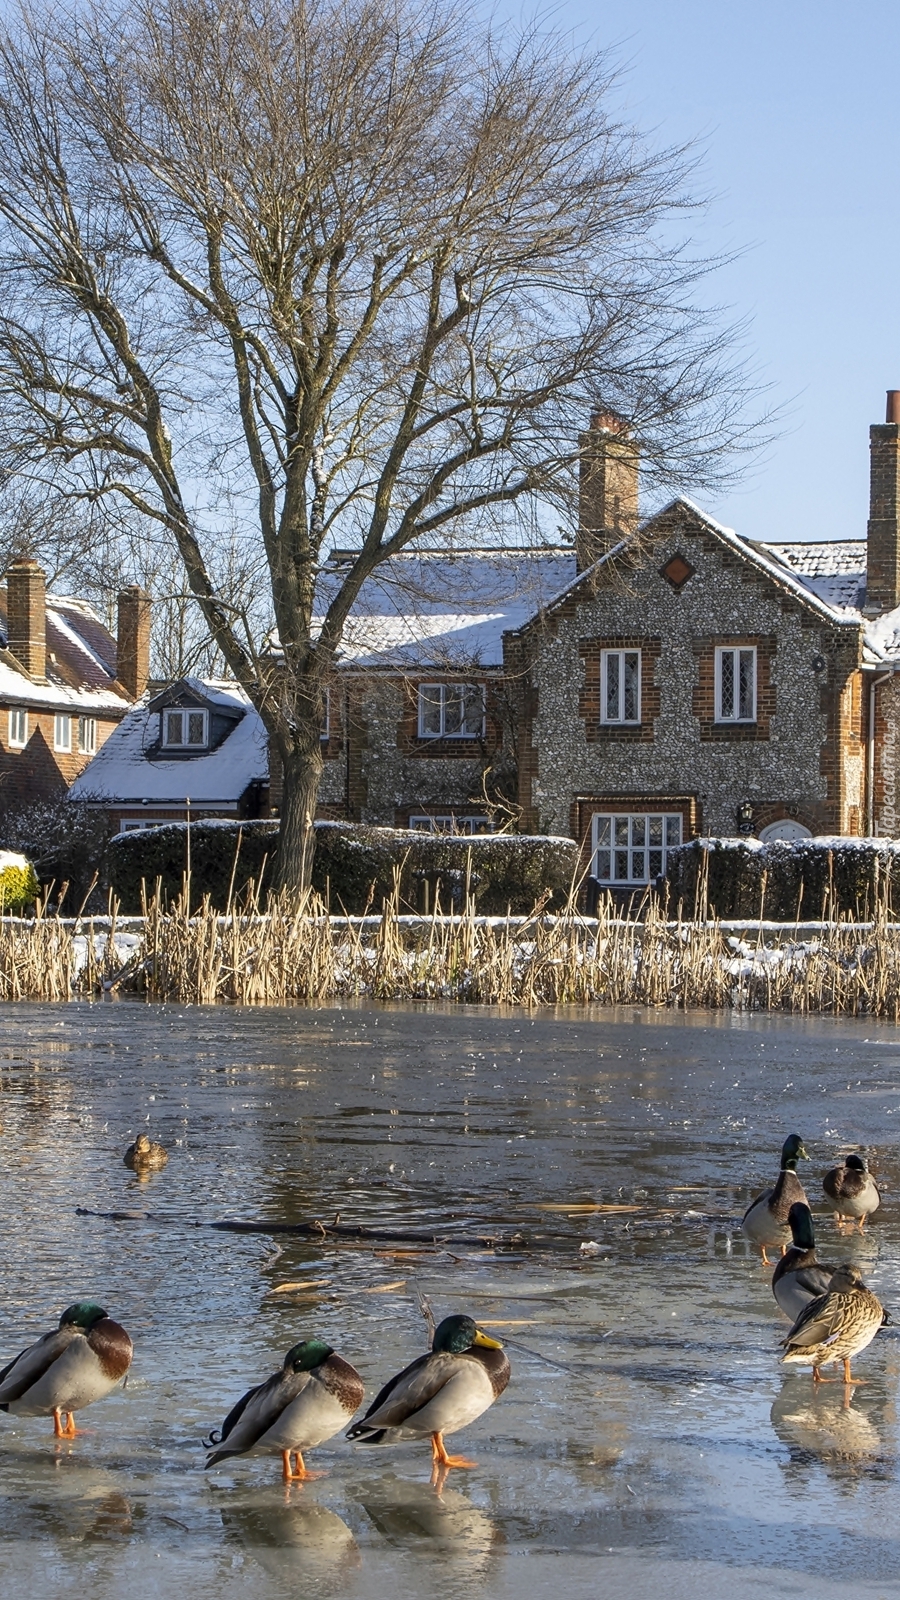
[81, 662]
[835, 570]
[446, 609]
[128, 769]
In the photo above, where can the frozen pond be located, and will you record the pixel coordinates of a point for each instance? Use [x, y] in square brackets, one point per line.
[666, 1452]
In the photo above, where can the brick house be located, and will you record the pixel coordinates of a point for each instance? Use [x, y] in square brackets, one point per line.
[191, 749]
[636, 688]
[65, 682]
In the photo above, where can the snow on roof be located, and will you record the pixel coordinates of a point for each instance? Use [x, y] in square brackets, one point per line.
[221, 692]
[446, 608]
[17, 690]
[123, 771]
[834, 569]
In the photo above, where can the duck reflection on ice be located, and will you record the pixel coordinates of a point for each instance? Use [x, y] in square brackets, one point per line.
[429, 1522]
[297, 1540]
[837, 1427]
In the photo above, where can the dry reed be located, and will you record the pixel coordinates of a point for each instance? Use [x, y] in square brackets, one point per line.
[289, 951]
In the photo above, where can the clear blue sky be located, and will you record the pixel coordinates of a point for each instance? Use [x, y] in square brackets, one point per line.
[796, 106]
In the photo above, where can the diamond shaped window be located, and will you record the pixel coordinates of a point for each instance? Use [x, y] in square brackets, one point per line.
[677, 570]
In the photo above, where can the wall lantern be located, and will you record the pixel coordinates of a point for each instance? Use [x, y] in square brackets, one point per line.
[745, 817]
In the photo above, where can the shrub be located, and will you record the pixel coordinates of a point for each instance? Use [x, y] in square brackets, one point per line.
[784, 879]
[218, 850]
[19, 887]
[354, 865]
[65, 842]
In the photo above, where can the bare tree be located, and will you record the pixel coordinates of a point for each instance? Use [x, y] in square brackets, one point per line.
[354, 272]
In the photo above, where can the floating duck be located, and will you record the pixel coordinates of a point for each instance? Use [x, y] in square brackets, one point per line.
[852, 1191]
[765, 1221]
[836, 1326]
[464, 1373]
[799, 1276]
[308, 1400]
[145, 1155]
[78, 1363]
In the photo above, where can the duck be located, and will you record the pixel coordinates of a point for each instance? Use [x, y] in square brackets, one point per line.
[145, 1155]
[852, 1191]
[765, 1220]
[78, 1362]
[309, 1399]
[441, 1392]
[800, 1276]
[836, 1326]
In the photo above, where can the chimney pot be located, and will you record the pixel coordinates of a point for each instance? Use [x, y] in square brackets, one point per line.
[133, 640]
[892, 413]
[26, 603]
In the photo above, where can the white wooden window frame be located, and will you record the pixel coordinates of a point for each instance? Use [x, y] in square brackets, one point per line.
[616, 716]
[87, 735]
[728, 707]
[18, 728]
[437, 696]
[448, 823]
[185, 713]
[62, 732]
[630, 848]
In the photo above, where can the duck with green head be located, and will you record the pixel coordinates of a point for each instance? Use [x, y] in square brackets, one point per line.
[309, 1399]
[800, 1276]
[464, 1372]
[75, 1364]
[852, 1191]
[765, 1222]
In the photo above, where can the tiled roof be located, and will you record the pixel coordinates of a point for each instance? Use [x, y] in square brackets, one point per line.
[122, 772]
[81, 662]
[446, 609]
[834, 570]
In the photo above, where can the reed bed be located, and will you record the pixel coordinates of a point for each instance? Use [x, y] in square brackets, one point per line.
[285, 951]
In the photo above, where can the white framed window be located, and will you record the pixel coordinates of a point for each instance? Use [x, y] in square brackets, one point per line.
[450, 824]
[135, 824]
[451, 710]
[184, 729]
[18, 728]
[620, 686]
[62, 731]
[736, 683]
[632, 847]
[87, 735]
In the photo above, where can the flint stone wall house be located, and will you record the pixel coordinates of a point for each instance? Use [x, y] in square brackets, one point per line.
[65, 682]
[196, 748]
[648, 685]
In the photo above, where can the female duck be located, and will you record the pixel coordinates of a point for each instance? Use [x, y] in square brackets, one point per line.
[800, 1276]
[837, 1326]
[852, 1191]
[308, 1400]
[464, 1373]
[765, 1221]
[145, 1155]
[78, 1363]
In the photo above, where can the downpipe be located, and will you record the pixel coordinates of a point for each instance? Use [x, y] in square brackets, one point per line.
[870, 755]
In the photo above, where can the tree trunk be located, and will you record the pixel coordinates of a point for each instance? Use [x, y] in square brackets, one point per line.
[302, 769]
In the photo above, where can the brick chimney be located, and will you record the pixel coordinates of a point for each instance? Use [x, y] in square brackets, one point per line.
[133, 640]
[608, 487]
[883, 533]
[26, 608]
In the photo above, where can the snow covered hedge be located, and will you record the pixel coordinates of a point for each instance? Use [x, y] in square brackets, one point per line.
[784, 879]
[354, 864]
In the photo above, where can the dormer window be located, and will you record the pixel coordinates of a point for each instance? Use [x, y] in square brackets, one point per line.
[185, 730]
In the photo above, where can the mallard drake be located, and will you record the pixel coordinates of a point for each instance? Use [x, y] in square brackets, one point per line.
[464, 1373]
[765, 1220]
[308, 1400]
[145, 1155]
[79, 1362]
[852, 1191]
[836, 1326]
[799, 1276]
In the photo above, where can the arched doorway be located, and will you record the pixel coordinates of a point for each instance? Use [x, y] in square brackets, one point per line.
[785, 828]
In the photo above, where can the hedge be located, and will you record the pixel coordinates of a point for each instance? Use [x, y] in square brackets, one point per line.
[354, 865]
[784, 879]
